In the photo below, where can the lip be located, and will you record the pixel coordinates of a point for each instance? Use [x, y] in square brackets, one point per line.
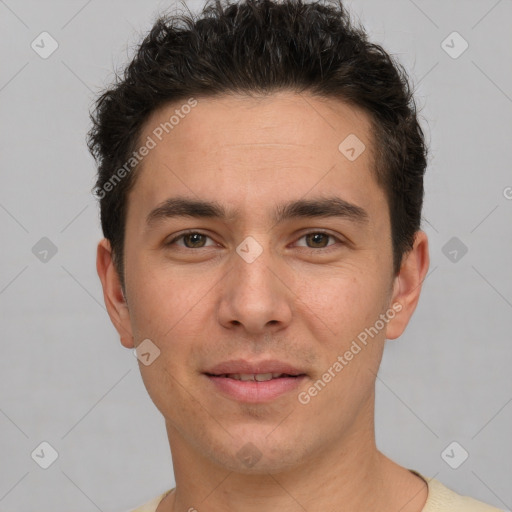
[247, 367]
[254, 391]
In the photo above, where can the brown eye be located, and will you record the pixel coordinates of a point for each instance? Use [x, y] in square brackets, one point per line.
[191, 240]
[318, 240]
[196, 240]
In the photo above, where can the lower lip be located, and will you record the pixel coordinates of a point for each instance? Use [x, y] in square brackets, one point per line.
[253, 391]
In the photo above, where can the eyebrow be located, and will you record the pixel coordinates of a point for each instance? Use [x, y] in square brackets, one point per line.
[302, 208]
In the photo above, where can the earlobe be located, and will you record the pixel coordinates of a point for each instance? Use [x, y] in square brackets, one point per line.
[113, 296]
[407, 285]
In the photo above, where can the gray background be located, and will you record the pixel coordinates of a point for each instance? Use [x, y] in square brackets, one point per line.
[66, 379]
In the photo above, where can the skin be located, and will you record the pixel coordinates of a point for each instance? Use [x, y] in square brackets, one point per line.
[302, 301]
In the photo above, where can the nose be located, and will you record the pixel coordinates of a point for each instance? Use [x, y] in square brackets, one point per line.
[257, 293]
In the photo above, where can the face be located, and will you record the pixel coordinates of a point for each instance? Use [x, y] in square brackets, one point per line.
[287, 271]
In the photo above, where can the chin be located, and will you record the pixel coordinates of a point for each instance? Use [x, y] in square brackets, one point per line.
[262, 466]
[258, 453]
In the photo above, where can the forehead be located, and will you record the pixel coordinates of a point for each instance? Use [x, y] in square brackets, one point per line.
[279, 119]
[240, 149]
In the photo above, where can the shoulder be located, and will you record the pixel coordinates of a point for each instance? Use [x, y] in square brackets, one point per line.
[152, 504]
[442, 499]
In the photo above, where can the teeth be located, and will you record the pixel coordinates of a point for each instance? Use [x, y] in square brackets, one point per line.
[259, 377]
[263, 376]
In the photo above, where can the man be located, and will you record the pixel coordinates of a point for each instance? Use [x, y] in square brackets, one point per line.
[260, 176]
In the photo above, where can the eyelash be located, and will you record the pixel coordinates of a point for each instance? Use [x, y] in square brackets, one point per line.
[327, 248]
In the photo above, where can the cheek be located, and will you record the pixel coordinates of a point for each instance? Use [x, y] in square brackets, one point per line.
[350, 308]
[345, 301]
[172, 395]
[164, 298]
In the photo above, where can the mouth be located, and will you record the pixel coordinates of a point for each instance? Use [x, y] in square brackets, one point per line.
[256, 377]
[255, 386]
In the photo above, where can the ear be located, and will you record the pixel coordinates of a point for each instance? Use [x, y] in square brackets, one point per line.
[407, 285]
[112, 293]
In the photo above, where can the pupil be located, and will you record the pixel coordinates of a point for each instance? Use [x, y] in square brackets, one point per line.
[193, 237]
[315, 237]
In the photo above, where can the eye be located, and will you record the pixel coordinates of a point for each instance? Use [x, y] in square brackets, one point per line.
[192, 240]
[319, 239]
[196, 240]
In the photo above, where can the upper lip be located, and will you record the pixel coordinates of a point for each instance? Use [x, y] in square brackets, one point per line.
[246, 367]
